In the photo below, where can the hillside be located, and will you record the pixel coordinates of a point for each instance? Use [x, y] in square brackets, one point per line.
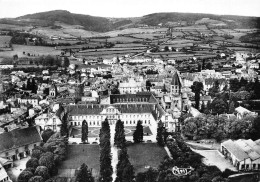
[102, 24]
[191, 18]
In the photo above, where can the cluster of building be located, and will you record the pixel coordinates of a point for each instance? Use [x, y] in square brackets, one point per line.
[150, 91]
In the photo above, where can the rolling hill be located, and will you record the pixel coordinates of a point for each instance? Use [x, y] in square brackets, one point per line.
[102, 24]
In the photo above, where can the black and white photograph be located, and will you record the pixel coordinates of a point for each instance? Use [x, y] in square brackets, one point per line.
[129, 91]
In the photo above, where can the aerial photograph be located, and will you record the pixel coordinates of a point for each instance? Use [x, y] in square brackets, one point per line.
[129, 91]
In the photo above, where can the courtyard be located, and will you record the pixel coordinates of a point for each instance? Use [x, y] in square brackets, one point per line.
[145, 155]
[77, 155]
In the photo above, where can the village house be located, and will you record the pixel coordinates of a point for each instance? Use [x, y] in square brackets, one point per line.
[48, 121]
[131, 87]
[243, 154]
[3, 175]
[19, 143]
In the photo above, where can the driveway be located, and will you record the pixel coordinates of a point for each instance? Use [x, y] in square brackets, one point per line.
[215, 158]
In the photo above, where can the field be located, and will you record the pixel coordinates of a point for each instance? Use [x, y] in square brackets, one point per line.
[78, 154]
[145, 155]
[15, 27]
[148, 36]
[131, 31]
[123, 39]
[37, 50]
[4, 41]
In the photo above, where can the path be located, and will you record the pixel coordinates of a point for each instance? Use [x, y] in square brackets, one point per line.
[114, 151]
[168, 151]
[215, 158]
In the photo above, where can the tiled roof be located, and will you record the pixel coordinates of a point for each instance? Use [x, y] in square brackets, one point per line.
[133, 98]
[93, 109]
[235, 150]
[176, 79]
[19, 137]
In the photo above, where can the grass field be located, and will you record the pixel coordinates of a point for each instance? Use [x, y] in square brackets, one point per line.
[78, 154]
[131, 31]
[122, 39]
[145, 154]
[37, 50]
[148, 36]
[4, 41]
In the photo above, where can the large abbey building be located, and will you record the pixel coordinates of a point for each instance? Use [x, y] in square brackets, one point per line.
[130, 108]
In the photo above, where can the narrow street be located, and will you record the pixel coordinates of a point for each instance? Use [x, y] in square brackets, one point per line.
[114, 151]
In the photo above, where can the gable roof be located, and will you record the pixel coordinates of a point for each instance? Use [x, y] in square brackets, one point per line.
[235, 150]
[19, 137]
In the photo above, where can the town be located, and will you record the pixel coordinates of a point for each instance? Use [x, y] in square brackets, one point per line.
[130, 105]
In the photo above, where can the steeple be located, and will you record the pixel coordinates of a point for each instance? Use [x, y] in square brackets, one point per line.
[176, 79]
[176, 84]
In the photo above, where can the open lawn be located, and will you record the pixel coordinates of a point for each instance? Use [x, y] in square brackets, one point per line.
[4, 41]
[78, 154]
[37, 50]
[94, 131]
[145, 155]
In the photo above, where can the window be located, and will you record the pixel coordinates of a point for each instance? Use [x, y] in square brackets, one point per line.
[243, 166]
[166, 117]
[126, 122]
[130, 122]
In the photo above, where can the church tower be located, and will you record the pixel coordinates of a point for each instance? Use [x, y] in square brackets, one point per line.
[53, 91]
[176, 90]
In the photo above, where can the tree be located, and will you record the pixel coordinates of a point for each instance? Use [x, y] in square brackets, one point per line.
[43, 172]
[33, 163]
[255, 132]
[125, 171]
[36, 153]
[47, 159]
[36, 179]
[209, 66]
[66, 62]
[138, 133]
[64, 125]
[84, 174]
[197, 87]
[24, 176]
[84, 131]
[119, 134]
[219, 106]
[106, 169]
[148, 85]
[160, 133]
[203, 107]
[199, 67]
[231, 108]
[215, 89]
[47, 134]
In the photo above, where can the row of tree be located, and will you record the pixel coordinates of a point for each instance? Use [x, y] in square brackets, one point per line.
[182, 157]
[221, 127]
[45, 159]
[106, 169]
[125, 170]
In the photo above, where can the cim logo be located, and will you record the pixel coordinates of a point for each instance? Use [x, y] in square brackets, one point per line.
[181, 171]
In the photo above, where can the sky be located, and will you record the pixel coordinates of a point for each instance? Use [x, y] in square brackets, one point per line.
[130, 8]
